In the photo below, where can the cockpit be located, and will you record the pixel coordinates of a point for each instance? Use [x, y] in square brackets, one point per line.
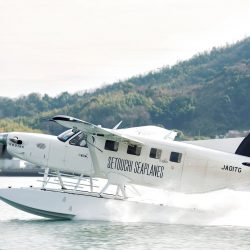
[77, 138]
[66, 135]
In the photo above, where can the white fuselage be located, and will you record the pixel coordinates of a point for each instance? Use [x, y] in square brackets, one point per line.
[180, 167]
[48, 151]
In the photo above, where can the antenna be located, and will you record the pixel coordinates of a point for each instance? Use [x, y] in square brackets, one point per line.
[117, 125]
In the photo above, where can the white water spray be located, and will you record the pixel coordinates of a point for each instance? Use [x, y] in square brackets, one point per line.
[223, 207]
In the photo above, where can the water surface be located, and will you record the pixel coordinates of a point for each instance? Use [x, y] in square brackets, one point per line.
[19, 230]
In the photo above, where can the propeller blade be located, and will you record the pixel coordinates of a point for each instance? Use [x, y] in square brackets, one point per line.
[3, 146]
[3, 138]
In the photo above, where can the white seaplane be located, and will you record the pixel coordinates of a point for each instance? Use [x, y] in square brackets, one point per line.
[146, 156]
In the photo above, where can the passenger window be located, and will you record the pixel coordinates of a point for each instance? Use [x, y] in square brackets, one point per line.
[79, 140]
[175, 157]
[134, 150]
[155, 153]
[111, 145]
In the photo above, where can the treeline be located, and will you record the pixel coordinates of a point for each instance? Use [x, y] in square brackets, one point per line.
[206, 95]
[34, 103]
[10, 125]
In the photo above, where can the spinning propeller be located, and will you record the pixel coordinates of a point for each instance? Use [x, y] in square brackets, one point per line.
[3, 145]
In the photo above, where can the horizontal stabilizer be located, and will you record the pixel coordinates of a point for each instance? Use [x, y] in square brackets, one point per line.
[228, 145]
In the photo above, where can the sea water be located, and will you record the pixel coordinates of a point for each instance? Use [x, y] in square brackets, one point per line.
[225, 224]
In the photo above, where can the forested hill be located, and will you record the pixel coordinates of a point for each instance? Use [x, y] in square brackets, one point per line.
[208, 95]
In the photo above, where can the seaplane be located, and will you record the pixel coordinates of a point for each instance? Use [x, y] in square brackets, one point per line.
[139, 156]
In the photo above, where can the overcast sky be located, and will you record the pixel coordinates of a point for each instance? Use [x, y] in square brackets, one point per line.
[51, 46]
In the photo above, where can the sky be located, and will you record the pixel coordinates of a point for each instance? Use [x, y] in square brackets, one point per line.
[51, 46]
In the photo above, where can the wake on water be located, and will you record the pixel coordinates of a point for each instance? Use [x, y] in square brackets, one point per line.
[223, 207]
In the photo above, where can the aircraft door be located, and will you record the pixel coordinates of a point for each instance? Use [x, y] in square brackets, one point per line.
[173, 164]
[57, 155]
[77, 155]
[58, 150]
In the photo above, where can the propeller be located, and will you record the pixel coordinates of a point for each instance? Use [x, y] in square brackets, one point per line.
[3, 138]
[3, 145]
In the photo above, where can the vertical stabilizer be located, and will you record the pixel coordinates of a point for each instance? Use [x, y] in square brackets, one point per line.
[244, 148]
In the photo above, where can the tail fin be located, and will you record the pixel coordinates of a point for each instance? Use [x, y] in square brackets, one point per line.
[244, 148]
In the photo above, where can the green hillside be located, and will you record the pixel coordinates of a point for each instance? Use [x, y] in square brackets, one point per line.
[207, 95]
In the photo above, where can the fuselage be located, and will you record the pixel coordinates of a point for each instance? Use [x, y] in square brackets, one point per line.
[156, 162]
[170, 164]
[67, 152]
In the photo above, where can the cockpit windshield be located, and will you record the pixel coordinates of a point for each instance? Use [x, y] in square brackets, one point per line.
[66, 135]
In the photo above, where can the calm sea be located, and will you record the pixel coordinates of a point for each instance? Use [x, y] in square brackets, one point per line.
[19, 230]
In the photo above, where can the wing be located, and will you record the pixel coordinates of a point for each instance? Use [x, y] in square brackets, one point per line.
[89, 128]
[151, 132]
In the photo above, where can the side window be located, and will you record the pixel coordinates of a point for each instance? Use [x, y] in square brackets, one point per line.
[175, 157]
[134, 150]
[155, 153]
[79, 140]
[111, 145]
